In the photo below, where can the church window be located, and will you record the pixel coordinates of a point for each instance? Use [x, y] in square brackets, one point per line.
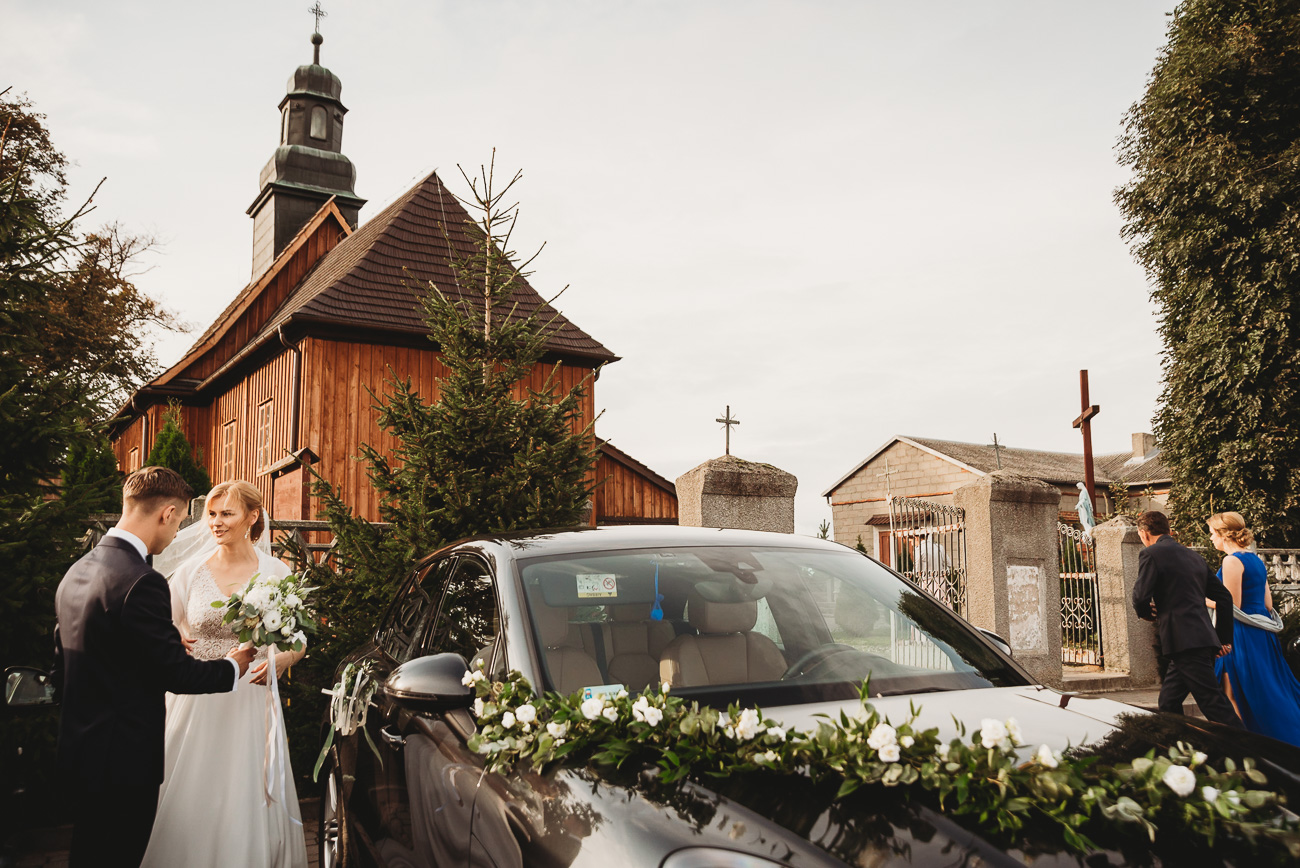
[133, 460]
[264, 416]
[318, 120]
[284, 126]
[228, 451]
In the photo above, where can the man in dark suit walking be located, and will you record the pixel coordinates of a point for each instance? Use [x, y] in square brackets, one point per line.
[1173, 582]
[117, 653]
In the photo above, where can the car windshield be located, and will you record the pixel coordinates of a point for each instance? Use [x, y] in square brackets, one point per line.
[775, 625]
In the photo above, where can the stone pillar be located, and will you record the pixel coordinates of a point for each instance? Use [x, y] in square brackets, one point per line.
[1013, 583]
[733, 492]
[1127, 641]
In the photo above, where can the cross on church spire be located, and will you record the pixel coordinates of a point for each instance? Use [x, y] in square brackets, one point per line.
[727, 422]
[319, 13]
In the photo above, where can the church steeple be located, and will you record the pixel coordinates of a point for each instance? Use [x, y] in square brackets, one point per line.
[308, 167]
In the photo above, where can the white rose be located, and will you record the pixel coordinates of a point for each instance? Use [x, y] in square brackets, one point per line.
[591, 707]
[1180, 779]
[889, 753]
[991, 732]
[478, 707]
[749, 724]
[1209, 793]
[639, 708]
[610, 714]
[776, 732]
[653, 716]
[272, 621]
[1046, 758]
[557, 730]
[883, 734]
[1013, 730]
[907, 741]
[1198, 758]
[467, 679]
[526, 713]
[292, 601]
[508, 719]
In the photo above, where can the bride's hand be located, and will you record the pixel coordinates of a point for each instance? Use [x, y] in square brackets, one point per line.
[189, 644]
[283, 661]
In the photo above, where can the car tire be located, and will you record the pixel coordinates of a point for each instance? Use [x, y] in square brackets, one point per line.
[332, 836]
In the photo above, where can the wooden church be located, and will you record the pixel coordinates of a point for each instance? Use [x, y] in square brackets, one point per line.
[281, 377]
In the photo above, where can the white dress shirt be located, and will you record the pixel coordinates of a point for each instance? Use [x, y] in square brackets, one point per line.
[144, 556]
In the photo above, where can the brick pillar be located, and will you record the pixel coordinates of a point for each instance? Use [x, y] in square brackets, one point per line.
[1128, 642]
[1013, 583]
[733, 492]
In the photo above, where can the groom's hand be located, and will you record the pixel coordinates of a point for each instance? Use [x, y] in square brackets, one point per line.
[242, 657]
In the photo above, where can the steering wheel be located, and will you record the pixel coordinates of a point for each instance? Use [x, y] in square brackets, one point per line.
[815, 657]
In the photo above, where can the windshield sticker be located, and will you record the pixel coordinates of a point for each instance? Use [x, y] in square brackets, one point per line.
[597, 585]
[602, 690]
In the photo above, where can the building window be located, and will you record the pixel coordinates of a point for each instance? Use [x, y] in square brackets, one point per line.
[318, 120]
[133, 460]
[263, 436]
[228, 451]
[284, 126]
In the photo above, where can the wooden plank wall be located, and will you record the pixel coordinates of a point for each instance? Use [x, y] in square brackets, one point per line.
[273, 382]
[338, 414]
[627, 495]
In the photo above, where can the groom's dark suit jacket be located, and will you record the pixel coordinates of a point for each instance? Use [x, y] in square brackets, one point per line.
[1178, 580]
[117, 653]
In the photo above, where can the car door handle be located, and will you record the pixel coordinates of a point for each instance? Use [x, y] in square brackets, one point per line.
[396, 739]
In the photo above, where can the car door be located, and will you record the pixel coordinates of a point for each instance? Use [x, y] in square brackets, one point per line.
[379, 807]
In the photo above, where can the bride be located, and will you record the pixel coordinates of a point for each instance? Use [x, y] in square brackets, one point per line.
[227, 796]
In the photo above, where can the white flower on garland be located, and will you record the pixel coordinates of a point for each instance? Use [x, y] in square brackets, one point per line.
[882, 736]
[1013, 731]
[767, 757]
[643, 711]
[941, 750]
[1210, 794]
[776, 733]
[1180, 779]
[1046, 758]
[526, 713]
[1234, 797]
[749, 724]
[907, 741]
[1198, 758]
[557, 730]
[591, 708]
[478, 707]
[992, 732]
[470, 678]
[890, 753]
[508, 719]
[611, 714]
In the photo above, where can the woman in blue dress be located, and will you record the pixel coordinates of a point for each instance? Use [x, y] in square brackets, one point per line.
[1255, 676]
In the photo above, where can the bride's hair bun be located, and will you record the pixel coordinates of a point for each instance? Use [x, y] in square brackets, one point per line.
[247, 494]
[1233, 528]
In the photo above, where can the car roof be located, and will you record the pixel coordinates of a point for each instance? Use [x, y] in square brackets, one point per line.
[611, 538]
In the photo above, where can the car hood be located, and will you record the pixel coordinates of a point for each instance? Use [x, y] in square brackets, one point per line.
[1045, 716]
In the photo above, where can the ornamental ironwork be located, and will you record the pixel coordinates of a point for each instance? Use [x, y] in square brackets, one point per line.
[1081, 643]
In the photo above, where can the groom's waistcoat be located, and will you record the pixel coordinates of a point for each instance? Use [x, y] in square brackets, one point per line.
[117, 655]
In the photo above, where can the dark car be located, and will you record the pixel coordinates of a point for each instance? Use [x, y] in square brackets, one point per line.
[791, 624]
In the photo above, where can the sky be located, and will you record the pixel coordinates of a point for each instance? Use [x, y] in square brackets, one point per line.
[844, 220]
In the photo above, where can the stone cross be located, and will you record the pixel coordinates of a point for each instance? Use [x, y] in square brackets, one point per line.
[1084, 423]
[727, 422]
[319, 13]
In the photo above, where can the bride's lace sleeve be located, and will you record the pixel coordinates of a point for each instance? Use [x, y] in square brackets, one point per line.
[179, 583]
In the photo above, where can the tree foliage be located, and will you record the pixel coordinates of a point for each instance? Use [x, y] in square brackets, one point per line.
[172, 449]
[1211, 214]
[490, 455]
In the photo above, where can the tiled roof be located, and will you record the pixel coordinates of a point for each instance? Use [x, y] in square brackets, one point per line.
[1051, 466]
[370, 280]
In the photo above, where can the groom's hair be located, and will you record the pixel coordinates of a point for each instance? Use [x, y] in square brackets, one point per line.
[149, 488]
[1154, 523]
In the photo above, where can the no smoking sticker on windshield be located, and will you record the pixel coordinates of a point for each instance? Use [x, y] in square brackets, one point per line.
[597, 585]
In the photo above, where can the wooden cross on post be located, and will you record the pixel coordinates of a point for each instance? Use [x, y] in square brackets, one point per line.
[727, 422]
[1084, 422]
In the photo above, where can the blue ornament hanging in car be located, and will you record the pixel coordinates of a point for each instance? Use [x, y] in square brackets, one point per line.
[657, 613]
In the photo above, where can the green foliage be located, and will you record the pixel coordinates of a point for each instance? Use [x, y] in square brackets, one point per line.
[172, 449]
[92, 465]
[860, 545]
[981, 780]
[489, 456]
[1214, 146]
[824, 530]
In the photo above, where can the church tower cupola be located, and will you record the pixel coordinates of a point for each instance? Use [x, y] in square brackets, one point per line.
[308, 167]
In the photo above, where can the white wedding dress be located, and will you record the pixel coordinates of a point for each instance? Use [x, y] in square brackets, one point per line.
[213, 808]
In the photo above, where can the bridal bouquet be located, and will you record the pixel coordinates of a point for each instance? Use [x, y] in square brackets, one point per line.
[271, 611]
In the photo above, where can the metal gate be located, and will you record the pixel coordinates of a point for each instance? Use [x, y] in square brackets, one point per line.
[1080, 599]
[928, 543]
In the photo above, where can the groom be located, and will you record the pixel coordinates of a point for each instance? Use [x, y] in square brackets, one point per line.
[116, 654]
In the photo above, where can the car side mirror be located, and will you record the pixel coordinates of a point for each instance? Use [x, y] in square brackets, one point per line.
[431, 683]
[1003, 645]
[26, 687]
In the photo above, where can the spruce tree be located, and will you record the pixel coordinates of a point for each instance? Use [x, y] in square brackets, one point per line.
[172, 449]
[1214, 146]
[92, 465]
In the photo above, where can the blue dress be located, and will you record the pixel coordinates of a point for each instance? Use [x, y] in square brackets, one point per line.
[1266, 691]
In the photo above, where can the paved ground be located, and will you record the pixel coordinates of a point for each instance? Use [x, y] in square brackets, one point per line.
[48, 848]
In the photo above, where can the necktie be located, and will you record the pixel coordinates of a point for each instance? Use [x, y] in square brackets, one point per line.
[148, 559]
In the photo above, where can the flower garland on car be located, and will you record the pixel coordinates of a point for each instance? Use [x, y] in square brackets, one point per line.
[349, 703]
[981, 775]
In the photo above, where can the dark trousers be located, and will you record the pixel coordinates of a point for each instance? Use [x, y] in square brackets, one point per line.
[1192, 671]
[111, 828]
